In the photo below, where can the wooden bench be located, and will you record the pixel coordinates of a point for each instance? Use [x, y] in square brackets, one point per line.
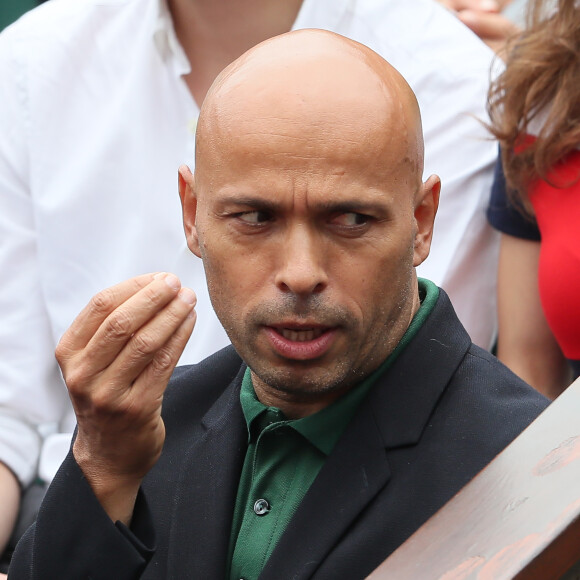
[518, 519]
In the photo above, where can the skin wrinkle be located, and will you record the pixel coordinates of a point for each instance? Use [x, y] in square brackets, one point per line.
[303, 133]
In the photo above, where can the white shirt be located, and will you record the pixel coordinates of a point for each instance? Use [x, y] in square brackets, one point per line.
[95, 119]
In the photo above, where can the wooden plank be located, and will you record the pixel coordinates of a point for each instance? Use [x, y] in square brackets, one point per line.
[518, 519]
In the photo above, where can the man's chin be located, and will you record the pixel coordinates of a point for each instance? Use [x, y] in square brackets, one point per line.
[305, 380]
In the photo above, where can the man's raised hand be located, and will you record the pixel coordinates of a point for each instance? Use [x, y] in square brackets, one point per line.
[116, 359]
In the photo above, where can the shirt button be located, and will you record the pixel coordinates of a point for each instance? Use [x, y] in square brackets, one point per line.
[261, 507]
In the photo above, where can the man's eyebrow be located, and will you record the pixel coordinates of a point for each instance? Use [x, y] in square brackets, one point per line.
[351, 206]
[248, 201]
[323, 206]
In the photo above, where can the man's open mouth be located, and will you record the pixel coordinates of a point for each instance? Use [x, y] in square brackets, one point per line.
[303, 335]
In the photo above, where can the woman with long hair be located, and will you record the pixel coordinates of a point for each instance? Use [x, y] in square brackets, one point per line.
[534, 107]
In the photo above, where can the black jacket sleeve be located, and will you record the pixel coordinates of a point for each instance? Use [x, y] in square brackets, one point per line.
[52, 547]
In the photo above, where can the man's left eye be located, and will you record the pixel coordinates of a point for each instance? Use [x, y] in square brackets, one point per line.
[254, 217]
[351, 219]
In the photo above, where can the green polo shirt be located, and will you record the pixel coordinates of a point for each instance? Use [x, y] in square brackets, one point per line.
[284, 457]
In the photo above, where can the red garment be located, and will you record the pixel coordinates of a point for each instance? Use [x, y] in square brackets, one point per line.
[558, 217]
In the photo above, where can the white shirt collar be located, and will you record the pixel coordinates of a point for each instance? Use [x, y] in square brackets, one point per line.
[169, 46]
[166, 40]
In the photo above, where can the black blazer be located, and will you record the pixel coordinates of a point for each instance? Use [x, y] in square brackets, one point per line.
[436, 418]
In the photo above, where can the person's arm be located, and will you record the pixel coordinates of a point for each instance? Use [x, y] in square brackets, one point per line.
[28, 371]
[9, 504]
[525, 342]
[485, 19]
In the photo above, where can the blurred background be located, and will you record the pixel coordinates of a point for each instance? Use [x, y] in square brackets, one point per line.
[10, 10]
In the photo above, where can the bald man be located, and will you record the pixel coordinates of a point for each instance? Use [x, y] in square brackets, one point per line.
[352, 404]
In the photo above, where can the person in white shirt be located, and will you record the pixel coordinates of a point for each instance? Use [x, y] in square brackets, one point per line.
[99, 101]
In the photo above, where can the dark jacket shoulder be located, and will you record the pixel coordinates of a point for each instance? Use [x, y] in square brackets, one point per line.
[193, 389]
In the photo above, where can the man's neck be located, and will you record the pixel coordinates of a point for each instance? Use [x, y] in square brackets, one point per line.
[213, 34]
[292, 405]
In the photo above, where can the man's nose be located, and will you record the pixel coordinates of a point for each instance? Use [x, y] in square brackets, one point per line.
[302, 264]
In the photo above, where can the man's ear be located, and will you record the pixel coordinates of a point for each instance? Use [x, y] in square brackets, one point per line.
[426, 204]
[189, 208]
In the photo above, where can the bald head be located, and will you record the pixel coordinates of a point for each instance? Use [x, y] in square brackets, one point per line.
[333, 95]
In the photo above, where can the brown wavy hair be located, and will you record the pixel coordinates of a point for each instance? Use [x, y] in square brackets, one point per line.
[542, 77]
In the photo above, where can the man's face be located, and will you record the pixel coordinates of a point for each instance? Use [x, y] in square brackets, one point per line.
[307, 235]
[308, 210]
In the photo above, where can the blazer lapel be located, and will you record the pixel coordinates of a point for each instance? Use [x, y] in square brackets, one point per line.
[407, 396]
[207, 489]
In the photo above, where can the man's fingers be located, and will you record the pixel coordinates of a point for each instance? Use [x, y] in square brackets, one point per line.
[137, 322]
[151, 341]
[134, 384]
[96, 311]
[159, 370]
